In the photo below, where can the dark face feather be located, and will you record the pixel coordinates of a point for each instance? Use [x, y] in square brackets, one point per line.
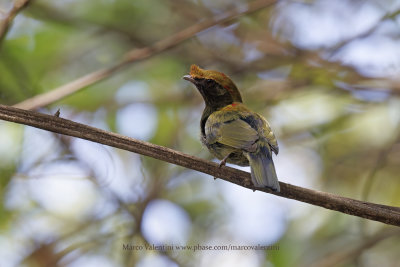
[214, 95]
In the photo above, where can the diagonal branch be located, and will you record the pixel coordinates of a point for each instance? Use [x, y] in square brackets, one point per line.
[140, 54]
[372, 211]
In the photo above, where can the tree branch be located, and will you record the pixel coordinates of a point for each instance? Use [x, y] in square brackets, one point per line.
[139, 54]
[376, 212]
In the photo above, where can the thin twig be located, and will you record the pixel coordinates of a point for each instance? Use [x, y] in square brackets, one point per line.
[349, 253]
[379, 164]
[6, 21]
[363, 34]
[376, 212]
[139, 54]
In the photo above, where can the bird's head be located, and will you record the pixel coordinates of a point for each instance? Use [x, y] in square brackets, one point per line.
[217, 89]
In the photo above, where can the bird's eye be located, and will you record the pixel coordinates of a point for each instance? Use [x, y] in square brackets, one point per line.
[209, 81]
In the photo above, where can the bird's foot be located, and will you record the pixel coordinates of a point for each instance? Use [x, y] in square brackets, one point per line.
[222, 163]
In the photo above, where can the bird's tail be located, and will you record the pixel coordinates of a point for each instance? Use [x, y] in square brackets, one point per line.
[263, 170]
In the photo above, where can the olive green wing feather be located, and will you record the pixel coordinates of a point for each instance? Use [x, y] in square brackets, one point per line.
[269, 135]
[235, 133]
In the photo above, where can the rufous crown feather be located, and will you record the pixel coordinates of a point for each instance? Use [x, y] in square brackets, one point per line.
[219, 77]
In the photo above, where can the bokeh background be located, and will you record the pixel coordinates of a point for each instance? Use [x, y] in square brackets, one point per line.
[324, 73]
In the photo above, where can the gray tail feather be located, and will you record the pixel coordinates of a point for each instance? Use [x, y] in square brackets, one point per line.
[263, 172]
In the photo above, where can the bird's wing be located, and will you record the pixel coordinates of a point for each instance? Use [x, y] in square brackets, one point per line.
[235, 133]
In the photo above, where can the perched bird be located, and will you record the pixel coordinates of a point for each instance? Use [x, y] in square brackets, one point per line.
[231, 131]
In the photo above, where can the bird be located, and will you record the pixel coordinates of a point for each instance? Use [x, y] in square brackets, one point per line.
[231, 131]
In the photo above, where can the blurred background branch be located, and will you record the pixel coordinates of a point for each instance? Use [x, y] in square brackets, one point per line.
[140, 54]
[7, 17]
[350, 253]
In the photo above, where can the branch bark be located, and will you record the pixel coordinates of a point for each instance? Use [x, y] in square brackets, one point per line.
[139, 54]
[367, 210]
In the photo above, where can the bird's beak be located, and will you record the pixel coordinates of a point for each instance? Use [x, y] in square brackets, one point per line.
[189, 78]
